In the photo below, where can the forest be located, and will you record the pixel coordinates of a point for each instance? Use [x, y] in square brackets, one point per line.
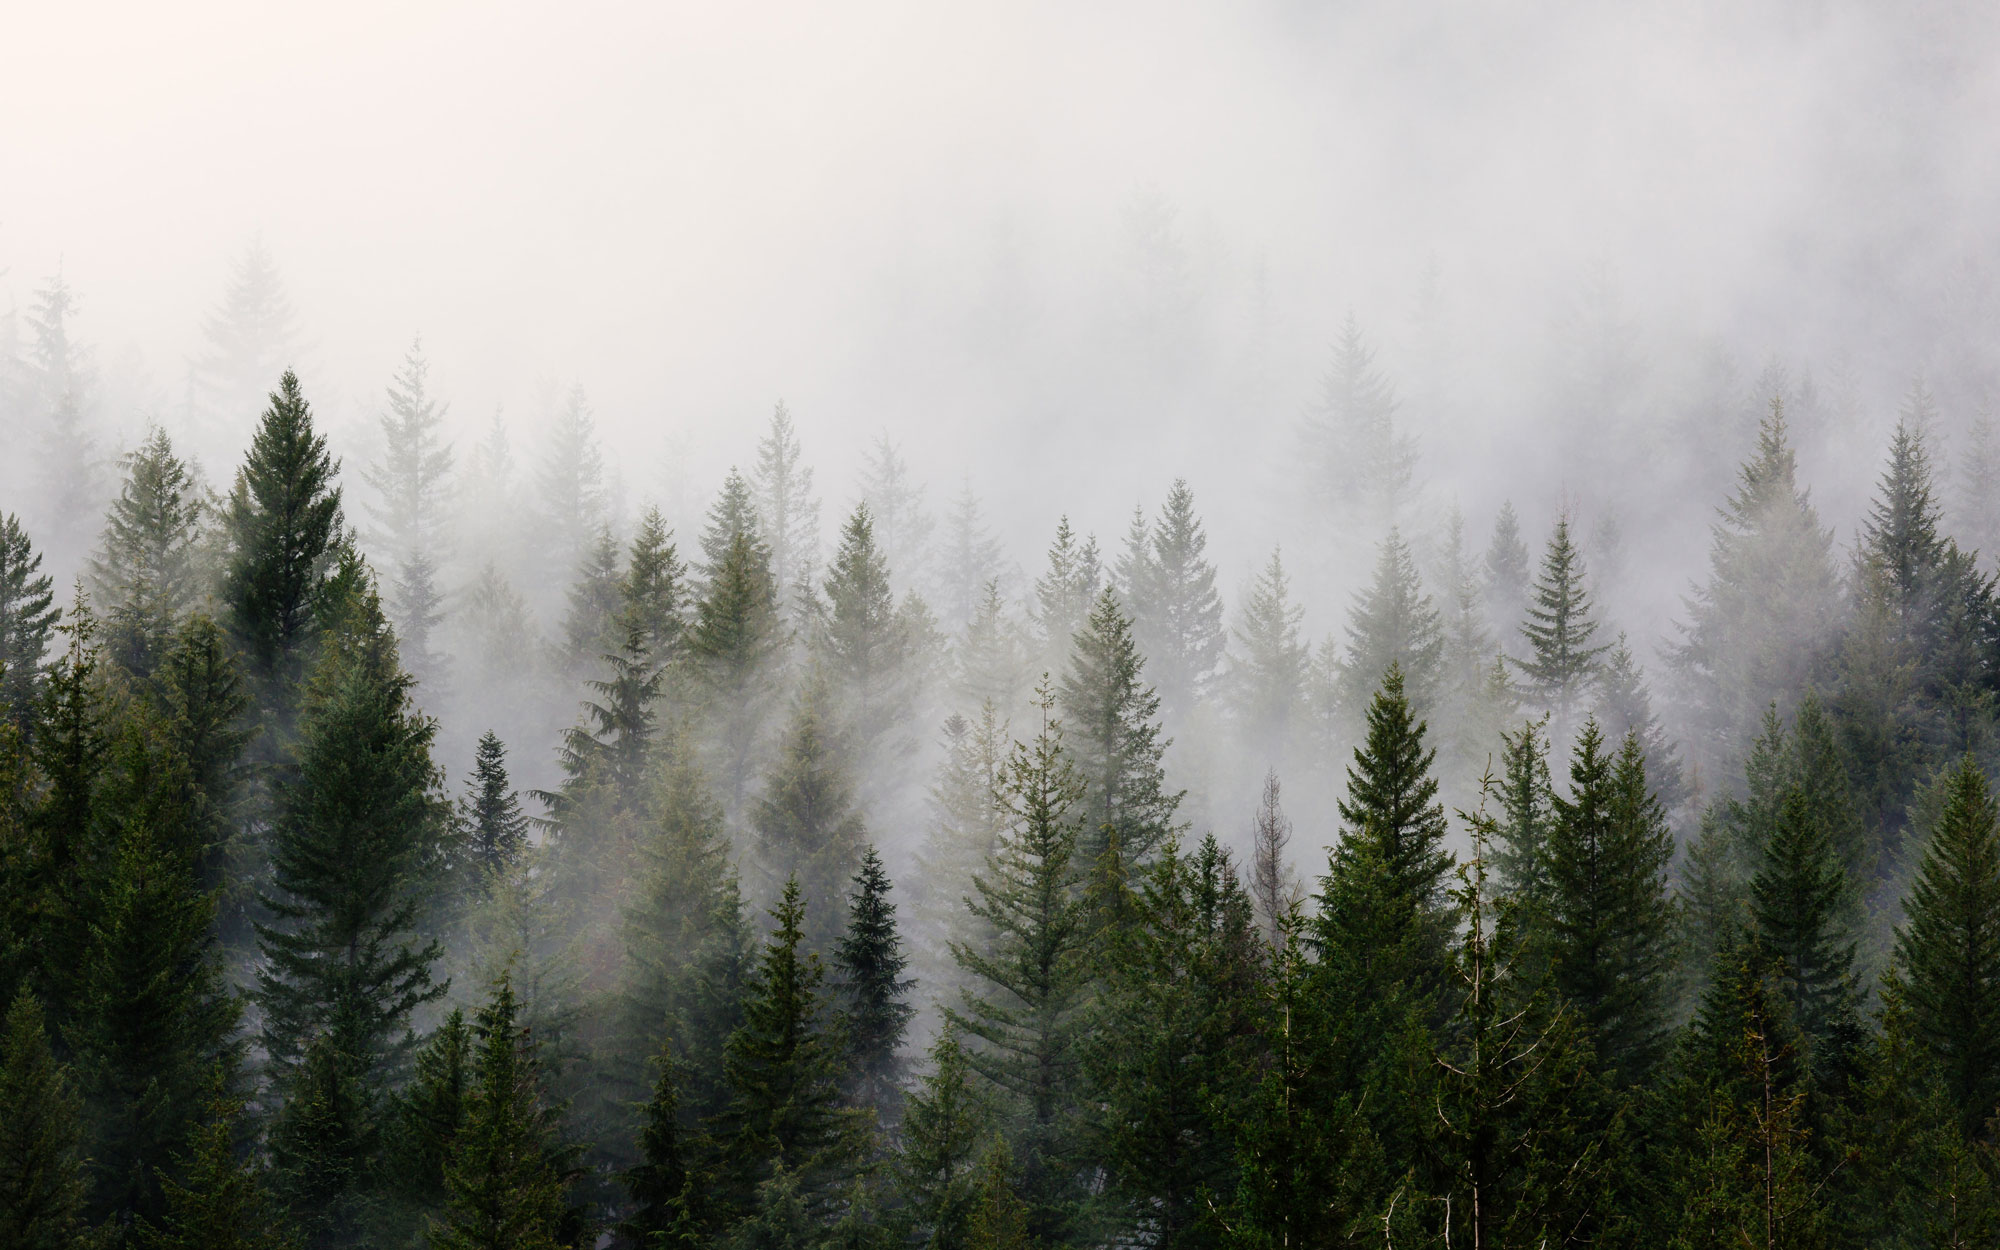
[859, 911]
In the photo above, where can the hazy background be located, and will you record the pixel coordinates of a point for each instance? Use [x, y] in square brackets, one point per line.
[1063, 253]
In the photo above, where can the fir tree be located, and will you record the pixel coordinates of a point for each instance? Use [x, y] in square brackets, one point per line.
[663, 1184]
[429, 1113]
[971, 560]
[1610, 920]
[41, 1169]
[1391, 799]
[605, 760]
[947, 1123]
[496, 828]
[61, 384]
[783, 1068]
[1267, 671]
[342, 955]
[967, 820]
[71, 750]
[732, 645]
[1561, 622]
[1507, 572]
[569, 480]
[593, 622]
[787, 511]
[148, 573]
[285, 539]
[1625, 706]
[654, 590]
[410, 483]
[321, 1144]
[1112, 731]
[991, 665]
[1979, 485]
[217, 1201]
[27, 616]
[896, 508]
[1948, 952]
[807, 828]
[1065, 594]
[1392, 623]
[863, 642]
[1798, 899]
[250, 337]
[868, 963]
[1179, 619]
[1024, 1009]
[1527, 795]
[508, 1172]
[1471, 703]
[199, 695]
[1359, 461]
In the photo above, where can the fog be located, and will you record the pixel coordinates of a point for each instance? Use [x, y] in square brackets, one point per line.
[1060, 254]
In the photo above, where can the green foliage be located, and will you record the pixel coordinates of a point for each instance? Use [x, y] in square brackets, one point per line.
[496, 829]
[733, 646]
[1798, 900]
[219, 1201]
[428, 1114]
[41, 1167]
[1268, 672]
[805, 820]
[1174, 604]
[868, 963]
[1391, 801]
[1392, 624]
[947, 1126]
[28, 616]
[147, 574]
[1111, 729]
[862, 638]
[663, 1186]
[1064, 595]
[655, 590]
[1561, 662]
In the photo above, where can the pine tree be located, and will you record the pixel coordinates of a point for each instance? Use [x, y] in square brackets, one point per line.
[1527, 811]
[1178, 620]
[41, 1169]
[1393, 623]
[991, 665]
[508, 1173]
[1507, 573]
[321, 1143]
[1948, 952]
[783, 1068]
[1798, 899]
[1609, 918]
[1024, 1009]
[1471, 704]
[1268, 669]
[864, 645]
[496, 828]
[1625, 706]
[1112, 731]
[663, 1185]
[71, 751]
[148, 573]
[27, 616]
[218, 1201]
[1064, 595]
[1274, 887]
[967, 821]
[606, 759]
[874, 1011]
[285, 539]
[947, 1124]
[896, 507]
[654, 593]
[787, 511]
[593, 621]
[971, 560]
[1391, 799]
[1359, 461]
[251, 336]
[569, 480]
[342, 955]
[61, 383]
[198, 693]
[807, 828]
[430, 1112]
[1979, 485]
[1758, 626]
[1561, 622]
[733, 645]
[410, 483]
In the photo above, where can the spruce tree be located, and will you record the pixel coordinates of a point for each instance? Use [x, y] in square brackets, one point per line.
[807, 827]
[1178, 615]
[41, 1167]
[1471, 704]
[1521, 852]
[147, 573]
[1561, 662]
[569, 481]
[496, 829]
[593, 621]
[321, 1143]
[1360, 463]
[285, 539]
[605, 760]
[253, 334]
[972, 559]
[663, 1185]
[733, 646]
[198, 694]
[1268, 667]
[947, 1124]
[28, 616]
[430, 1111]
[1024, 1008]
[864, 644]
[1625, 706]
[654, 591]
[783, 1065]
[1112, 731]
[343, 958]
[992, 666]
[1507, 573]
[1064, 595]
[966, 822]
[71, 750]
[787, 511]
[868, 963]
[1799, 900]
[896, 508]
[1392, 802]
[1948, 951]
[1392, 623]
[216, 1200]
[508, 1173]
[409, 482]
[1610, 921]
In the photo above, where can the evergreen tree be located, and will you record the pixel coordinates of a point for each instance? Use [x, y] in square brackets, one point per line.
[593, 622]
[410, 482]
[1112, 731]
[971, 561]
[1948, 952]
[1274, 887]
[967, 821]
[1064, 595]
[61, 383]
[569, 479]
[733, 645]
[508, 1172]
[342, 956]
[1624, 706]
[654, 591]
[787, 511]
[1392, 623]
[1979, 485]
[1758, 625]
[1610, 921]
[27, 616]
[429, 1113]
[1561, 622]
[322, 1142]
[605, 760]
[1267, 672]
[1179, 619]
[148, 572]
[663, 1185]
[251, 336]
[896, 508]
[199, 695]
[1527, 797]
[991, 665]
[1471, 704]
[947, 1123]
[71, 750]
[868, 963]
[285, 540]
[496, 828]
[1024, 1011]
[807, 828]
[864, 644]
[783, 1068]
[1391, 800]
[1798, 900]
[1507, 572]
[1360, 462]
[41, 1169]
[218, 1201]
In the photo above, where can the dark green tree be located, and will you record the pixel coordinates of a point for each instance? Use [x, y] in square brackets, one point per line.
[655, 590]
[593, 621]
[322, 1142]
[1527, 810]
[28, 616]
[285, 541]
[148, 572]
[806, 824]
[41, 1165]
[216, 1200]
[1948, 951]
[198, 695]
[1561, 663]
[1392, 799]
[71, 752]
[1799, 901]
[1111, 729]
[664, 1186]
[496, 828]
[428, 1113]
[947, 1126]
[874, 1010]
